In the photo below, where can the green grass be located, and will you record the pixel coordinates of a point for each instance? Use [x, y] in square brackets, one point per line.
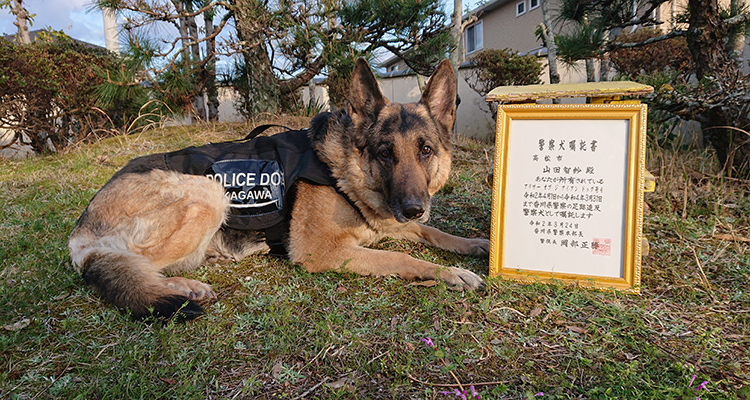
[277, 331]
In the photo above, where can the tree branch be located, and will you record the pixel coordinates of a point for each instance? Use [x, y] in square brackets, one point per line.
[669, 35]
[292, 84]
[737, 20]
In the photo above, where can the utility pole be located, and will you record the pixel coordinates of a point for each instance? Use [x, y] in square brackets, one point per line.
[457, 35]
[457, 52]
[110, 30]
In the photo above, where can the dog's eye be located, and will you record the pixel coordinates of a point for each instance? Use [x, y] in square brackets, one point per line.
[385, 154]
[426, 151]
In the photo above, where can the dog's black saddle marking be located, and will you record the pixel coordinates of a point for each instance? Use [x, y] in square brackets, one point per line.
[257, 173]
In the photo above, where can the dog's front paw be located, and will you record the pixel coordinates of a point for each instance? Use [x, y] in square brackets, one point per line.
[475, 247]
[481, 247]
[459, 279]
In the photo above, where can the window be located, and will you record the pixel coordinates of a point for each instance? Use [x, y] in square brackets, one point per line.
[474, 41]
[521, 8]
[533, 4]
[393, 68]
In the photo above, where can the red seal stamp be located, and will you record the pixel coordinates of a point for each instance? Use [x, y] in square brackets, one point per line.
[601, 247]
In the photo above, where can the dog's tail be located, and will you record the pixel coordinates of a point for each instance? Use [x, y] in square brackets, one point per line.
[131, 282]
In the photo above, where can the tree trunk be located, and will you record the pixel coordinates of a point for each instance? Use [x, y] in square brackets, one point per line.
[199, 73]
[262, 86]
[263, 94]
[736, 40]
[549, 41]
[604, 63]
[732, 146]
[590, 70]
[312, 88]
[182, 28]
[212, 92]
[705, 37]
[22, 18]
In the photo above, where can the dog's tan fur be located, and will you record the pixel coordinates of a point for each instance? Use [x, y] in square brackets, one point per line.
[388, 158]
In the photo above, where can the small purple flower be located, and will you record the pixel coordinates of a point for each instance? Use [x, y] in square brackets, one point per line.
[428, 342]
[474, 393]
[701, 386]
[455, 392]
[539, 394]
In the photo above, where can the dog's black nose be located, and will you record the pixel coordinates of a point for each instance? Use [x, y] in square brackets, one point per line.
[413, 211]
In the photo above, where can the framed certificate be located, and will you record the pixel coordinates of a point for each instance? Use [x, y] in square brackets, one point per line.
[567, 201]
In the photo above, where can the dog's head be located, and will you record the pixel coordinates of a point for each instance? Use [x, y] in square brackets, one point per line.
[404, 149]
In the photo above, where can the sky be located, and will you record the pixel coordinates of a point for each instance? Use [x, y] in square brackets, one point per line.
[71, 16]
[80, 20]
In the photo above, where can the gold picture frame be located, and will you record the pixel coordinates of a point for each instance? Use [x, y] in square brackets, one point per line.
[567, 197]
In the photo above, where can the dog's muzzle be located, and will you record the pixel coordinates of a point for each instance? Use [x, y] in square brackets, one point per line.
[411, 211]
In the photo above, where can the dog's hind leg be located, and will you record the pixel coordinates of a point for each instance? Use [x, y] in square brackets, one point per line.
[229, 245]
[129, 282]
[141, 226]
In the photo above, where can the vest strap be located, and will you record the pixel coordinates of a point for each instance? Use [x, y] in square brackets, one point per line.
[262, 128]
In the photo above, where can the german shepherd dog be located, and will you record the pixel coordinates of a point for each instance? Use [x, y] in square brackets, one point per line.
[387, 160]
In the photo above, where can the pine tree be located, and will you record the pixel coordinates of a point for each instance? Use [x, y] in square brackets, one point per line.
[191, 56]
[281, 45]
[719, 98]
[326, 37]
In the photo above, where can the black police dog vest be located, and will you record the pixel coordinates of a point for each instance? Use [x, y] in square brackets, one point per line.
[256, 174]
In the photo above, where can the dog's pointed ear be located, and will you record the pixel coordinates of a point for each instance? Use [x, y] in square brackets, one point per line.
[364, 94]
[440, 95]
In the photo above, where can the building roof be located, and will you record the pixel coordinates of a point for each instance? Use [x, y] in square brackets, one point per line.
[37, 35]
[486, 7]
